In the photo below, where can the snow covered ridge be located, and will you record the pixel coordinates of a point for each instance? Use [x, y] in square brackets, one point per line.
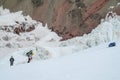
[14, 22]
[40, 34]
[108, 30]
[10, 18]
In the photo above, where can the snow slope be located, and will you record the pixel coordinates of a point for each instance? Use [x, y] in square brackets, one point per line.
[97, 63]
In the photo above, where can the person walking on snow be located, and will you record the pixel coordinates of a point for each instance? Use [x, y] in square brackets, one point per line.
[29, 55]
[11, 61]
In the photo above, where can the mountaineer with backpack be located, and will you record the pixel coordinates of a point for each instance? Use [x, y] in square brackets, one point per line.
[29, 55]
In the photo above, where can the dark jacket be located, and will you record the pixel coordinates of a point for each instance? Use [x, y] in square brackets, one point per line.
[11, 59]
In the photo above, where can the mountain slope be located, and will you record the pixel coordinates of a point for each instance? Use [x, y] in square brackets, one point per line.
[98, 63]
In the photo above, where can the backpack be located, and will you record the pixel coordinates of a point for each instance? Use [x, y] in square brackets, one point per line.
[112, 44]
[28, 54]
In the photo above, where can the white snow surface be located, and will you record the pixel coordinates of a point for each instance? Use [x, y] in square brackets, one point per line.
[97, 63]
[89, 57]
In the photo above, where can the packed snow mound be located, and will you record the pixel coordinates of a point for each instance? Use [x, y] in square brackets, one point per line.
[4, 11]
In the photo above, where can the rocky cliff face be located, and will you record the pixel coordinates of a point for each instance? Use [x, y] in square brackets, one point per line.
[68, 18]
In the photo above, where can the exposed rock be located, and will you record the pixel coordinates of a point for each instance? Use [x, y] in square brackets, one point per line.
[94, 8]
[19, 28]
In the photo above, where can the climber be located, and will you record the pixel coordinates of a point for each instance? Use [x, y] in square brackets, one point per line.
[11, 60]
[29, 55]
